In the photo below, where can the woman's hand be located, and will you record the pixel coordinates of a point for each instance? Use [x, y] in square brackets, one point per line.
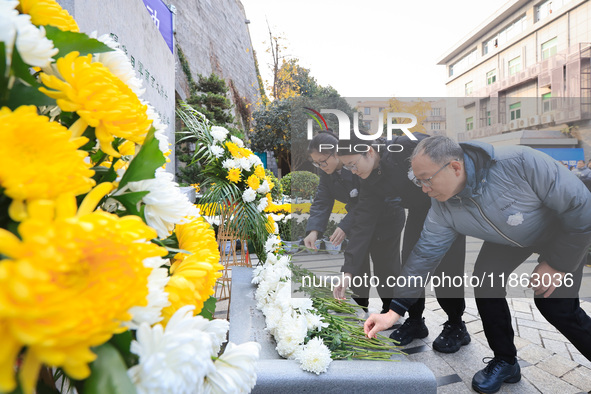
[310, 240]
[338, 236]
[377, 322]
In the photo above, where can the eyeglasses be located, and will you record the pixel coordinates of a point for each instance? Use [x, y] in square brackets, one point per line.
[322, 164]
[427, 182]
[352, 167]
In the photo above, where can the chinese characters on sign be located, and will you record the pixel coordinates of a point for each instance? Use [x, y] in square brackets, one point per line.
[162, 17]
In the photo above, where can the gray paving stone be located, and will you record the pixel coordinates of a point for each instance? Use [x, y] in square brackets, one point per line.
[538, 315]
[520, 342]
[535, 324]
[475, 326]
[523, 315]
[454, 388]
[468, 317]
[558, 347]
[578, 357]
[545, 382]
[468, 360]
[433, 361]
[579, 377]
[555, 335]
[533, 353]
[557, 365]
[530, 334]
[521, 306]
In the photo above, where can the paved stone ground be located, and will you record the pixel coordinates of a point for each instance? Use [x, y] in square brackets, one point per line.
[549, 363]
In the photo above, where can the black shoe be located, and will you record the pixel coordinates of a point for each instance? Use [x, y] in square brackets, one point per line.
[491, 378]
[452, 338]
[411, 329]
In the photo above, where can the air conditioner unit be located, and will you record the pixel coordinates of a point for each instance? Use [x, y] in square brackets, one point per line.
[504, 128]
[574, 115]
[560, 117]
[534, 120]
[513, 125]
[548, 118]
[513, 80]
[522, 123]
[523, 75]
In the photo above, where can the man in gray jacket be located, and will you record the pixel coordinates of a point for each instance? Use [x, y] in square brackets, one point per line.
[519, 201]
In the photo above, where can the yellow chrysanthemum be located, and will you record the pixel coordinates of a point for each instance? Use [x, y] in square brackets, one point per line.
[193, 276]
[270, 182]
[48, 12]
[234, 175]
[254, 182]
[260, 172]
[245, 152]
[234, 150]
[68, 285]
[271, 225]
[39, 160]
[125, 149]
[101, 99]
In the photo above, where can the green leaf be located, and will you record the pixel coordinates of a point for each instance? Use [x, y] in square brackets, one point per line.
[130, 201]
[21, 94]
[208, 308]
[3, 76]
[68, 41]
[123, 344]
[144, 165]
[108, 373]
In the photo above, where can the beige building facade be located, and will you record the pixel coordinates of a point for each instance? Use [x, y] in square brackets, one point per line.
[524, 70]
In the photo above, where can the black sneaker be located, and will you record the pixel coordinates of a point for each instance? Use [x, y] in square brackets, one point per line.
[452, 338]
[491, 378]
[411, 329]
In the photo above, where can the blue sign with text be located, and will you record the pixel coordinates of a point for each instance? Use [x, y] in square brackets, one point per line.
[162, 17]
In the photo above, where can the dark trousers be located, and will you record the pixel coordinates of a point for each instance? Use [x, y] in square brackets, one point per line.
[563, 313]
[451, 299]
[385, 256]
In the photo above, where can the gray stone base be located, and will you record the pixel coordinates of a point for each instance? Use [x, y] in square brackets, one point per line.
[277, 375]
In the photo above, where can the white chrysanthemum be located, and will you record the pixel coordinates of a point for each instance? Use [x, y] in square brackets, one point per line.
[291, 333]
[175, 359]
[229, 163]
[315, 322]
[166, 205]
[249, 195]
[32, 44]
[237, 141]
[244, 163]
[272, 244]
[118, 63]
[286, 218]
[217, 151]
[287, 348]
[157, 297]
[255, 160]
[160, 128]
[314, 356]
[234, 370]
[257, 274]
[219, 133]
[302, 305]
[216, 329]
[264, 188]
[262, 204]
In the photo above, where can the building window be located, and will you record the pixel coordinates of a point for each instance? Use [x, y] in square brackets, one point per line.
[367, 111]
[517, 27]
[491, 77]
[488, 118]
[435, 126]
[515, 65]
[469, 123]
[463, 64]
[367, 124]
[435, 111]
[515, 111]
[469, 88]
[549, 48]
[381, 109]
[547, 102]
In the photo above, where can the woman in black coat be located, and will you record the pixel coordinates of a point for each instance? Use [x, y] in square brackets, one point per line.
[384, 168]
[337, 183]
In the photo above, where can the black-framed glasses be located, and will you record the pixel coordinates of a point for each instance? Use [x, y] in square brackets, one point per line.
[427, 182]
[352, 167]
[323, 163]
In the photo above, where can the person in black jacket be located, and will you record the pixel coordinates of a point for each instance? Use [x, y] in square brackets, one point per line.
[384, 167]
[341, 185]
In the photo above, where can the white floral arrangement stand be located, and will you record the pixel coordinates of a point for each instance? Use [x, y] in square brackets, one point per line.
[277, 375]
